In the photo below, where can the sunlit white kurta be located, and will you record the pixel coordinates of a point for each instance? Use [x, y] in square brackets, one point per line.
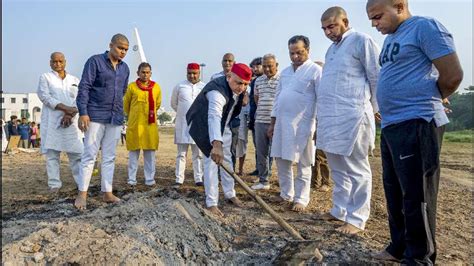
[347, 93]
[183, 96]
[211, 181]
[294, 109]
[52, 90]
[4, 139]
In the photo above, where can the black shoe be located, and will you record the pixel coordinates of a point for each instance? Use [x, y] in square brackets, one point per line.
[199, 184]
[254, 172]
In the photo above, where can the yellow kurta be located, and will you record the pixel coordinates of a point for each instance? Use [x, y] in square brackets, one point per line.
[140, 134]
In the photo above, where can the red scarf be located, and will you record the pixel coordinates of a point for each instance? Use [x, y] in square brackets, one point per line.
[151, 105]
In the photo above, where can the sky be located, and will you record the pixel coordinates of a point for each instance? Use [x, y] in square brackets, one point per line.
[174, 33]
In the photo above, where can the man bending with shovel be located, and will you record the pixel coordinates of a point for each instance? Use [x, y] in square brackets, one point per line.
[208, 119]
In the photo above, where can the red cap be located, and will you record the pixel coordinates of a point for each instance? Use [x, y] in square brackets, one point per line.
[242, 70]
[193, 66]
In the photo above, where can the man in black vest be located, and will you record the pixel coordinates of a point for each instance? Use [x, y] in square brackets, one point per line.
[208, 119]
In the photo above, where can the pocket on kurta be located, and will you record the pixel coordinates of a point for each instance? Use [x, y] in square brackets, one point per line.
[73, 92]
[303, 85]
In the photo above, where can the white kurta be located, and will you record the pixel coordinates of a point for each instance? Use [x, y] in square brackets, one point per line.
[52, 90]
[294, 109]
[347, 93]
[4, 139]
[217, 75]
[182, 98]
[211, 180]
[243, 127]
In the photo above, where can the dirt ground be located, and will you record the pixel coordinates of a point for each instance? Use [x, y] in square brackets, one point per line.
[163, 225]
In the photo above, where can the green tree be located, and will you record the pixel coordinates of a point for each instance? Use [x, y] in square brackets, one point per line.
[462, 111]
[164, 117]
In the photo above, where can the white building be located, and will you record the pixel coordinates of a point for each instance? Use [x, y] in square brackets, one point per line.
[22, 105]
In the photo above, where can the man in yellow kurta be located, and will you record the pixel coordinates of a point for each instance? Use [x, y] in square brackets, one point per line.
[140, 103]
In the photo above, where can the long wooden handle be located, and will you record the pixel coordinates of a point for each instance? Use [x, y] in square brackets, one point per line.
[288, 228]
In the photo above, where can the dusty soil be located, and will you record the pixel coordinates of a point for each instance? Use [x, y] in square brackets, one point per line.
[170, 226]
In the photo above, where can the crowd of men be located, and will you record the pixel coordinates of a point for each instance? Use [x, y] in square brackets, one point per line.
[306, 114]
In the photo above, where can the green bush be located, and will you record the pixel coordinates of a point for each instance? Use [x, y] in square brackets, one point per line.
[462, 112]
[464, 136]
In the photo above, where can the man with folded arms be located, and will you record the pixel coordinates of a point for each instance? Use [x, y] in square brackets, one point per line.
[57, 91]
[419, 68]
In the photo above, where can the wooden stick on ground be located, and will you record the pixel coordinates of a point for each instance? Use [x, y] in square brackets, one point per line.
[288, 228]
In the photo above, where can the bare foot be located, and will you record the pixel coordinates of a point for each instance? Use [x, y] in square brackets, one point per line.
[150, 184]
[214, 210]
[81, 200]
[53, 190]
[110, 198]
[298, 207]
[326, 217]
[348, 229]
[236, 202]
[324, 188]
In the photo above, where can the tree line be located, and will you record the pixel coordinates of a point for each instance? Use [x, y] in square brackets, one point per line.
[461, 115]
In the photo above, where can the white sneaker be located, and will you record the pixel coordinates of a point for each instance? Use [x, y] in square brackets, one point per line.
[260, 186]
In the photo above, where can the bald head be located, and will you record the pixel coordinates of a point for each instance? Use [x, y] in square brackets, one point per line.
[334, 12]
[387, 15]
[56, 55]
[334, 23]
[228, 56]
[387, 2]
[119, 38]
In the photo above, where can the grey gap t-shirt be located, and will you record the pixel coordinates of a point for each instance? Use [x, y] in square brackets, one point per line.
[406, 87]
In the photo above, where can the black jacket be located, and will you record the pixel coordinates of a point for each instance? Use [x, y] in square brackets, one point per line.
[196, 117]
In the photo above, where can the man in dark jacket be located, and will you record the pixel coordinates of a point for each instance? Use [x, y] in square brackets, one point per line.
[208, 118]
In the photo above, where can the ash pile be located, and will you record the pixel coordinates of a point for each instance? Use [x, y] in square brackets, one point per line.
[154, 227]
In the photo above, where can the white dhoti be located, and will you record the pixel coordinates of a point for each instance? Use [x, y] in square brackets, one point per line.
[181, 162]
[211, 179]
[99, 135]
[53, 163]
[241, 149]
[353, 181]
[148, 166]
[296, 189]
